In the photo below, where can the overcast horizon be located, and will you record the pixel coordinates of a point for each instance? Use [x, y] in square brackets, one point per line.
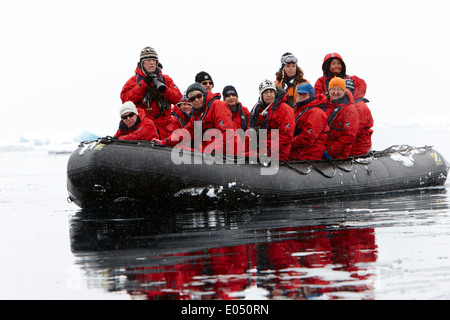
[64, 63]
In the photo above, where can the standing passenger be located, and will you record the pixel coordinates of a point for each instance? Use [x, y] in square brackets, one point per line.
[152, 91]
[333, 66]
[289, 77]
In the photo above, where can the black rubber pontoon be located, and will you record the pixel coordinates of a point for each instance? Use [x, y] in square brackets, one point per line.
[107, 172]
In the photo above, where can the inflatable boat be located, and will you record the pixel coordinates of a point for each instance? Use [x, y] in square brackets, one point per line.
[107, 173]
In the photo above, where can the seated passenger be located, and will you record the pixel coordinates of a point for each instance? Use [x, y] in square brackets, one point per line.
[289, 77]
[363, 142]
[134, 125]
[240, 114]
[182, 113]
[211, 113]
[311, 125]
[343, 120]
[205, 80]
[333, 66]
[272, 112]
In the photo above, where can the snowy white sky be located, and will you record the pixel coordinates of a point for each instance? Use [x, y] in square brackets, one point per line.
[63, 63]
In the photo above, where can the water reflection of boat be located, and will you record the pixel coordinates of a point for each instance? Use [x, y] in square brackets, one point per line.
[106, 173]
[324, 250]
[226, 258]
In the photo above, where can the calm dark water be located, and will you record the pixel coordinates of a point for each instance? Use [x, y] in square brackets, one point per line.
[390, 246]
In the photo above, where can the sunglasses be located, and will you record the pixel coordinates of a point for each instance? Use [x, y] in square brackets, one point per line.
[198, 96]
[205, 83]
[231, 93]
[131, 115]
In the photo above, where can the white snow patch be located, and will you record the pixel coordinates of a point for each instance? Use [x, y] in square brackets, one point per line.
[405, 157]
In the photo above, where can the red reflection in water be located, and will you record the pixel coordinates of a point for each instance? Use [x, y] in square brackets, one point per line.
[305, 262]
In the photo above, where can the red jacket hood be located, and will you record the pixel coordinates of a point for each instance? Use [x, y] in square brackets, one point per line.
[327, 61]
[180, 113]
[360, 87]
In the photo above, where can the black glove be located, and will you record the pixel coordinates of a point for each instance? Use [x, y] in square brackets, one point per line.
[149, 79]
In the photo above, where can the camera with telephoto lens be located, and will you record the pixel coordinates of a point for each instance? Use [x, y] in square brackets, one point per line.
[160, 86]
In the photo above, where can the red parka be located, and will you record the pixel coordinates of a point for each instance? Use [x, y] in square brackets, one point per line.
[321, 85]
[136, 89]
[214, 114]
[179, 118]
[343, 121]
[278, 115]
[143, 129]
[240, 116]
[363, 142]
[311, 129]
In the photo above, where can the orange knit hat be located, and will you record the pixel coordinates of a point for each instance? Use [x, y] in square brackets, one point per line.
[337, 82]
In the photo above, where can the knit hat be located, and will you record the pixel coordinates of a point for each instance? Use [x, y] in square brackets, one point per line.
[128, 106]
[306, 88]
[148, 53]
[350, 85]
[228, 90]
[288, 58]
[202, 76]
[195, 87]
[337, 82]
[184, 99]
[266, 85]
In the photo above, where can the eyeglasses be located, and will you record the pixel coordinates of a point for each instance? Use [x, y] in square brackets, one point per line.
[130, 115]
[205, 83]
[198, 96]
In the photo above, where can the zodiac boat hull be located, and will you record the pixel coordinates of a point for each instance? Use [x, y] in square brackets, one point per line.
[106, 173]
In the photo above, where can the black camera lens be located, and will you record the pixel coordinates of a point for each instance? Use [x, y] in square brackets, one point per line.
[160, 86]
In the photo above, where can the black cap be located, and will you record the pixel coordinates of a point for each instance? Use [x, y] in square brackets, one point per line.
[202, 76]
[227, 90]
